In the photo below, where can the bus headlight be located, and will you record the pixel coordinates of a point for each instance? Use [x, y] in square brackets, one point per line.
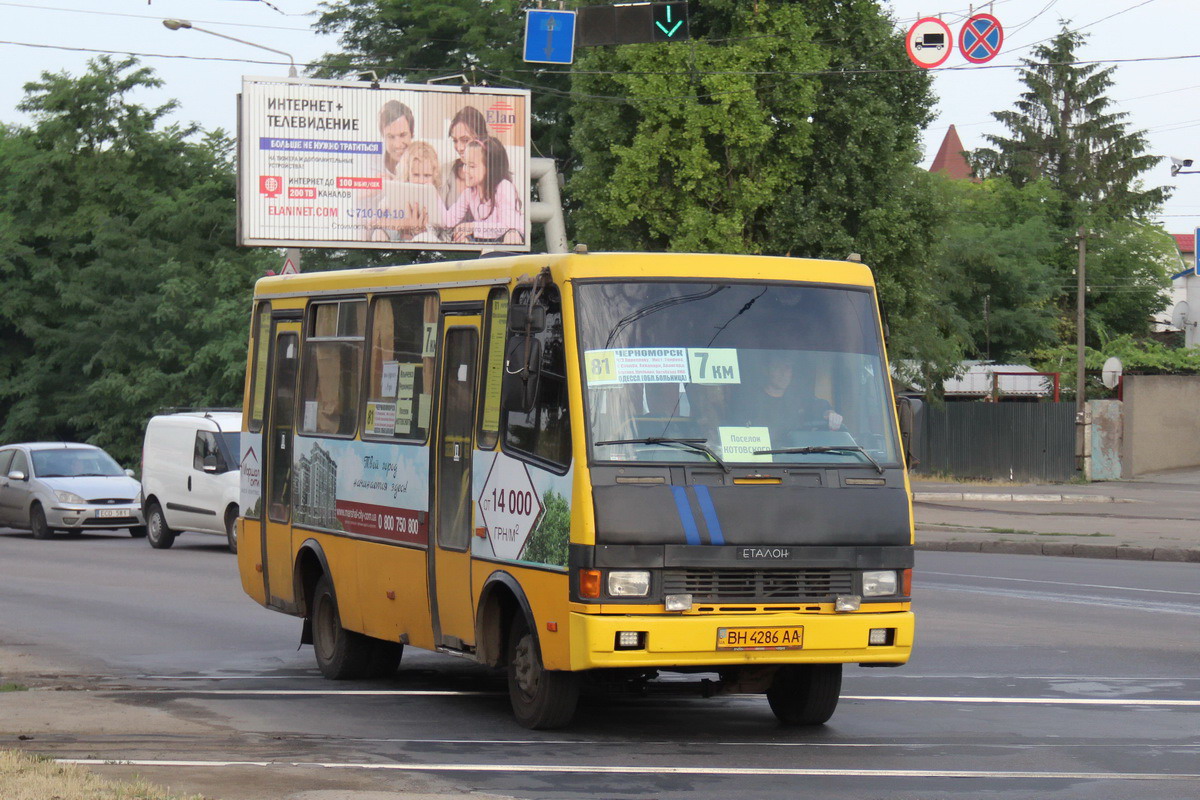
[629, 583]
[879, 583]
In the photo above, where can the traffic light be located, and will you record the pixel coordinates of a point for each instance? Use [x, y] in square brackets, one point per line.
[631, 24]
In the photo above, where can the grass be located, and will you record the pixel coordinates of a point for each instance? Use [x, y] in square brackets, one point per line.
[937, 477]
[24, 776]
[1040, 533]
[980, 529]
[13, 687]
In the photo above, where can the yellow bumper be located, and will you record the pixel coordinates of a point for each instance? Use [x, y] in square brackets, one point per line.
[690, 641]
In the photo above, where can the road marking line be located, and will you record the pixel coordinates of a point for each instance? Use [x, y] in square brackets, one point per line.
[1059, 583]
[825, 745]
[646, 770]
[1051, 701]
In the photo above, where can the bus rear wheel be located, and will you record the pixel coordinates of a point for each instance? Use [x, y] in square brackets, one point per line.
[341, 654]
[805, 694]
[541, 699]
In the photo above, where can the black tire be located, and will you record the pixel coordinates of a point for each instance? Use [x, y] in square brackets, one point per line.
[385, 659]
[37, 522]
[541, 699]
[805, 694]
[138, 531]
[231, 518]
[341, 654]
[158, 533]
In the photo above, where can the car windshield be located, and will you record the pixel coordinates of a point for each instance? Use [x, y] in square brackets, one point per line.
[74, 462]
[753, 373]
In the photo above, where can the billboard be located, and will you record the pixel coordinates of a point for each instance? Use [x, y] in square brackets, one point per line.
[386, 166]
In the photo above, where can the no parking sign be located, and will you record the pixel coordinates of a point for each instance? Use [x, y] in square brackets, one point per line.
[981, 38]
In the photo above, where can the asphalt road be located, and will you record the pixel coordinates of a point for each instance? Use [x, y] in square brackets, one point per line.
[1032, 677]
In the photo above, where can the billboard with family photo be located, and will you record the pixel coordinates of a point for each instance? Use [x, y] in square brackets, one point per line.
[387, 166]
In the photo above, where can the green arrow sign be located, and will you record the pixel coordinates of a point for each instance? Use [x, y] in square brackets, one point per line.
[670, 21]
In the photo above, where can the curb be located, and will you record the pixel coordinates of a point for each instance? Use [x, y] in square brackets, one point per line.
[992, 497]
[1121, 552]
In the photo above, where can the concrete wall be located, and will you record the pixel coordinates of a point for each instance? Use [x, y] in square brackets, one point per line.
[1161, 423]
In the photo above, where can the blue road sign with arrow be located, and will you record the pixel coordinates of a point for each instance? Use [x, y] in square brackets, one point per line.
[549, 37]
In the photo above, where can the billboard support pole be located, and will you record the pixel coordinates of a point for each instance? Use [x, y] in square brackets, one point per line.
[548, 209]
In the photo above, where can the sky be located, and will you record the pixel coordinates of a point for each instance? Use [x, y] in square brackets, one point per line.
[1152, 43]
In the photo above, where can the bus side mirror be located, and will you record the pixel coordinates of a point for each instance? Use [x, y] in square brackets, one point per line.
[523, 319]
[907, 409]
[523, 370]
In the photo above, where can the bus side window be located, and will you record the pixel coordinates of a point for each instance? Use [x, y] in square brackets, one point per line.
[544, 431]
[258, 374]
[493, 368]
[332, 368]
[403, 349]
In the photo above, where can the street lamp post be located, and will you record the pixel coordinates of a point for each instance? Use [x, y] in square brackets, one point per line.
[176, 24]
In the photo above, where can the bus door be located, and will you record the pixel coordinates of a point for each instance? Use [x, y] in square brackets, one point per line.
[450, 555]
[278, 432]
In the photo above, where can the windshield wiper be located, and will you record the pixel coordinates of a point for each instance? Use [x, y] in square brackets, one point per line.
[829, 448]
[696, 445]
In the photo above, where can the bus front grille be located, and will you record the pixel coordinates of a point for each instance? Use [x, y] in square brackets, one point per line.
[757, 585]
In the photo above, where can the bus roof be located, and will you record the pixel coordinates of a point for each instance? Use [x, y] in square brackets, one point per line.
[565, 266]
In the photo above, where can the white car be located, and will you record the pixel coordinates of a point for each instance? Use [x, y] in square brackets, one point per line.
[48, 486]
[190, 475]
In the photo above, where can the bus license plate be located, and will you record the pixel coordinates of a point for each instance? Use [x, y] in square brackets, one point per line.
[112, 512]
[760, 638]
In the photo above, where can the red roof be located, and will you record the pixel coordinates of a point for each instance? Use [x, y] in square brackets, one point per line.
[950, 158]
[1186, 242]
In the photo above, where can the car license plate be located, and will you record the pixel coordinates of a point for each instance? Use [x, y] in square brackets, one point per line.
[760, 638]
[112, 512]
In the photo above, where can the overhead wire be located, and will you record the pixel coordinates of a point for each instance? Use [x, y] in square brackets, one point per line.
[149, 16]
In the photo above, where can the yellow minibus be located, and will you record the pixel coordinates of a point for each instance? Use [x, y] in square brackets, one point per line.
[582, 467]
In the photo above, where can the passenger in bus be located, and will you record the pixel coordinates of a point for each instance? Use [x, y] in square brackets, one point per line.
[663, 415]
[490, 209]
[779, 405]
[468, 125]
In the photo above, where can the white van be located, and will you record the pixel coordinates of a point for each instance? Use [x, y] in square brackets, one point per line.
[190, 475]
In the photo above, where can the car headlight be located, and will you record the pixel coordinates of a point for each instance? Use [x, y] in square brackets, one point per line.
[69, 497]
[629, 583]
[879, 583]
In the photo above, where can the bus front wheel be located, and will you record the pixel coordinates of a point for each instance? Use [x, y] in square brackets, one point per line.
[541, 699]
[805, 694]
[341, 654]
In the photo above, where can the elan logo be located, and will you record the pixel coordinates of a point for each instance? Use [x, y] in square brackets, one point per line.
[773, 553]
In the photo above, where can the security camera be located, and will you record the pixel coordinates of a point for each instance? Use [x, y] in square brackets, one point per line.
[1179, 164]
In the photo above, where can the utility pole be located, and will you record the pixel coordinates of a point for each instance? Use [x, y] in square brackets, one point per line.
[1080, 359]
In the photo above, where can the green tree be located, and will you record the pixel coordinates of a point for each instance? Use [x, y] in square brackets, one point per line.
[997, 255]
[1064, 130]
[686, 147]
[123, 289]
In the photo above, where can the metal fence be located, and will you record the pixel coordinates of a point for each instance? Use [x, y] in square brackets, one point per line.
[1004, 441]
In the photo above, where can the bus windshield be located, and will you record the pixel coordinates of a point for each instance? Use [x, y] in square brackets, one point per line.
[734, 373]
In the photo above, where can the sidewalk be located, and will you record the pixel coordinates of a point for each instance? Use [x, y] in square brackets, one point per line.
[1152, 518]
